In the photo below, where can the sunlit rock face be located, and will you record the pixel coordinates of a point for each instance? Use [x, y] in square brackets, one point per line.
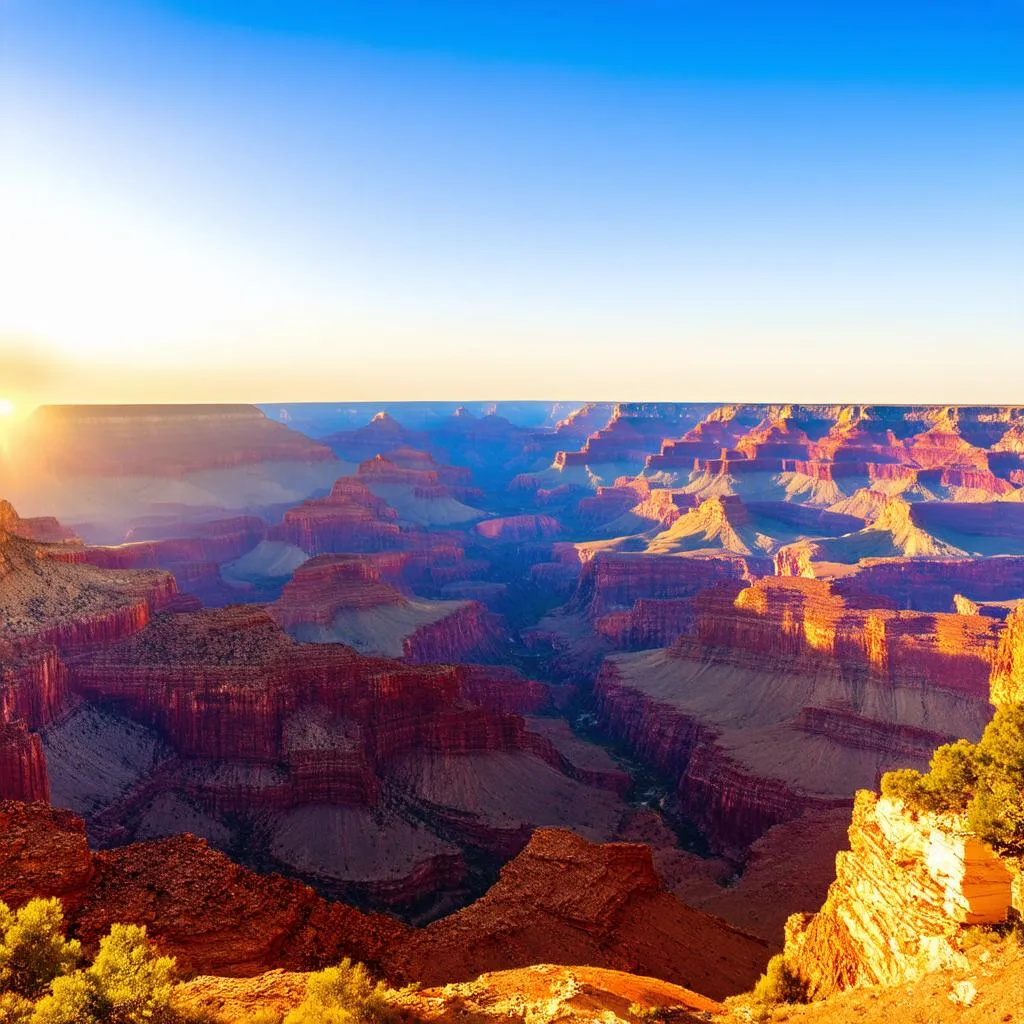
[52, 605]
[783, 698]
[1008, 670]
[565, 900]
[903, 892]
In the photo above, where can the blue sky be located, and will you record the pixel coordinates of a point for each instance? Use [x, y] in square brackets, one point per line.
[647, 199]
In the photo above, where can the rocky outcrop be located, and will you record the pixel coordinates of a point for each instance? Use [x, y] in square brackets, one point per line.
[350, 518]
[345, 599]
[564, 900]
[1007, 681]
[515, 529]
[469, 633]
[541, 994]
[211, 914]
[903, 892]
[615, 581]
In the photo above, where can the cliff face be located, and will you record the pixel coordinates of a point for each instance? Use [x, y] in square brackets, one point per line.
[1008, 669]
[354, 600]
[350, 518]
[370, 776]
[470, 633]
[784, 698]
[48, 609]
[22, 764]
[902, 893]
[515, 529]
[614, 581]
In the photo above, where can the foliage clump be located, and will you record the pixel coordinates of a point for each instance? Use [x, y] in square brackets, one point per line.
[779, 984]
[648, 1014]
[983, 779]
[33, 950]
[42, 980]
[346, 994]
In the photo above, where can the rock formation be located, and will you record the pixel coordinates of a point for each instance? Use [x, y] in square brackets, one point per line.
[563, 900]
[784, 698]
[902, 894]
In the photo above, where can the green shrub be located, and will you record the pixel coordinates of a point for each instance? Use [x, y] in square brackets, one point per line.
[33, 950]
[986, 779]
[128, 983]
[345, 994]
[647, 1014]
[779, 984]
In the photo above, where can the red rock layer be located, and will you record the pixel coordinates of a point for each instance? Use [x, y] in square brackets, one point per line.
[834, 676]
[930, 584]
[327, 584]
[49, 608]
[221, 683]
[214, 916]
[215, 542]
[417, 469]
[614, 581]
[564, 900]
[350, 518]
[22, 764]
[516, 529]
[635, 431]
[470, 633]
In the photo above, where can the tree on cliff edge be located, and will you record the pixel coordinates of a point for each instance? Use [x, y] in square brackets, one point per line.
[983, 779]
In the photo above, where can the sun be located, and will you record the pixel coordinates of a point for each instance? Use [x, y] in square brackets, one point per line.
[6, 407]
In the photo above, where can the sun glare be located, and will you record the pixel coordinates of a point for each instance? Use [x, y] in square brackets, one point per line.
[6, 407]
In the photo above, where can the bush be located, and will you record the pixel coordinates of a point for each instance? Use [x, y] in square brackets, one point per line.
[128, 983]
[779, 984]
[986, 779]
[33, 950]
[345, 994]
[648, 1014]
[15, 1009]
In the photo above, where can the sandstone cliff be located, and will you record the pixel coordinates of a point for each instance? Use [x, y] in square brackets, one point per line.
[903, 892]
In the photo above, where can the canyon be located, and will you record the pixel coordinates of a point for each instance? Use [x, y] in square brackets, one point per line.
[483, 694]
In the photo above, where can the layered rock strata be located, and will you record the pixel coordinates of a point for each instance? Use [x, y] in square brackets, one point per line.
[785, 699]
[903, 892]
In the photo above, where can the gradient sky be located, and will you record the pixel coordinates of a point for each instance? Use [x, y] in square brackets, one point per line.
[640, 199]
